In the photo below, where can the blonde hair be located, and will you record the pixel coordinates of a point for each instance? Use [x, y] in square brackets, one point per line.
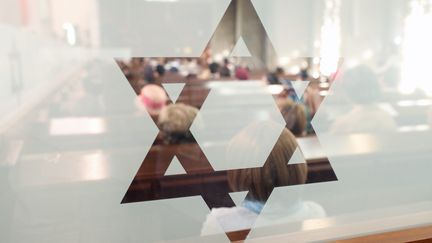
[261, 181]
[294, 115]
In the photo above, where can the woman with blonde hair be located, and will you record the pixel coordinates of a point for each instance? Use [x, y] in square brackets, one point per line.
[294, 115]
[274, 172]
[259, 183]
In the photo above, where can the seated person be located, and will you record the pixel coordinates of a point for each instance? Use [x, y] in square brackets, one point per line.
[294, 115]
[276, 77]
[241, 73]
[211, 72]
[214, 70]
[160, 72]
[174, 122]
[362, 89]
[260, 183]
[149, 74]
[303, 75]
[225, 71]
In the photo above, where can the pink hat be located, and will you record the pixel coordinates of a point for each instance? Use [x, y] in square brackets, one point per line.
[152, 98]
[242, 73]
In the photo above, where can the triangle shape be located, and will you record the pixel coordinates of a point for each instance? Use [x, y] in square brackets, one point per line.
[300, 87]
[240, 49]
[175, 168]
[297, 157]
[173, 90]
[238, 197]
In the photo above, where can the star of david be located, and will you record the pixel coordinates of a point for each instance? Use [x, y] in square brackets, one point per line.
[210, 184]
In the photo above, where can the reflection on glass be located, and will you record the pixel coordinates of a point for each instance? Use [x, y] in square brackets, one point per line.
[76, 126]
[365, 115]
[416, 49]
[330, 38]
[95, 167]
[94, 146]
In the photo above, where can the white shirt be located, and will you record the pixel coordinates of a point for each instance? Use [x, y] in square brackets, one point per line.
[241, 218]
[365, 119]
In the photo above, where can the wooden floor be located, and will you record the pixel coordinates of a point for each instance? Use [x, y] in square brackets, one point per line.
[414, 235]
[423, 234]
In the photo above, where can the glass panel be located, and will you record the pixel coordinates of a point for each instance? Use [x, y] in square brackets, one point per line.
[218, 121]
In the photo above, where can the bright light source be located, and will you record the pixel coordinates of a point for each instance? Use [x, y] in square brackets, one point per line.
[410, 103]
[294, 69]
[330, 38]
[417, 50]
[283, 61]
[323, 93]
[368, 54]
[218, 57]
[416, 128]
[406, 103]
[324, 85]
[95, 166]
[423, 127]
[424, 102]
[398, 40]
[77, 126]
[275, 89]
[70, 33]
[187, 50]
[226, 53]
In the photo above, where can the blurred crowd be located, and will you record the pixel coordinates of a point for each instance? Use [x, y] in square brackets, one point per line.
[147, 74]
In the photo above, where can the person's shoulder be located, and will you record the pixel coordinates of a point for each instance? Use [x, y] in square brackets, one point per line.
[229, 219]
[314, 209]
